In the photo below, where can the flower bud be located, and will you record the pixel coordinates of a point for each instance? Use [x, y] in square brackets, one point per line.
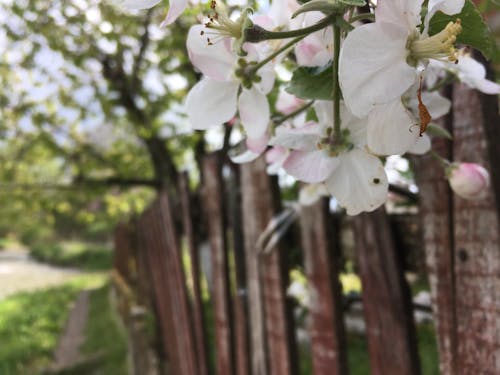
[468, 180]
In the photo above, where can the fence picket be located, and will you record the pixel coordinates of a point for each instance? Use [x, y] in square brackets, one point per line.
[386, 298]
[273, 340]
[214, 214]
[321, 247]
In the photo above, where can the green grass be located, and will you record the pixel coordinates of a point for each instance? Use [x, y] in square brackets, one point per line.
[105, 338]
[359, 361]
[30, 324]
[88, 257]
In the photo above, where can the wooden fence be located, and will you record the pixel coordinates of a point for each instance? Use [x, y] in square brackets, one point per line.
[252, 328]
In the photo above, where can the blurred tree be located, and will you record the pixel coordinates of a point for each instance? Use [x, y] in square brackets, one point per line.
[91, 100]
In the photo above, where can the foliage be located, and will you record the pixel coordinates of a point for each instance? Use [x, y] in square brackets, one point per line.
[475, 32]
[79, 145]
[30, 324]
[105, 337]
[87, 256]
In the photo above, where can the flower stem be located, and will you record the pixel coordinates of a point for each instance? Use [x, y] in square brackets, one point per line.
[444, 163]
[298, 111]
[336, 134]
[257, 34]
[260, 64]
[362, 16]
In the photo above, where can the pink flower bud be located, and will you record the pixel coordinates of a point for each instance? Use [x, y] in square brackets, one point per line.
[468, 180]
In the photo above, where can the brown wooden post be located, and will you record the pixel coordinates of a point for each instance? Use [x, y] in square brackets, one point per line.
[386, 298]
[321, 258]
[477, 242]
[241, 318]
[170, 284]
[462, 240]
[197, 304]
[215, 219]
[148, 234]
[436, 215]
[272, 342]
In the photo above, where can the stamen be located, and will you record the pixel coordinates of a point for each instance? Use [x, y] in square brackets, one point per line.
[439, 47]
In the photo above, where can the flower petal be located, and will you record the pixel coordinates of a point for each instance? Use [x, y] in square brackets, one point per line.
[215, 61]
[359, 183]
[304, 138]
[312, 166]
[254, 112]
[310, 194]
[176, 7]
[392, 130]
[139, 4]
[373, 68]
[449, 7]
[211, 103]
[245, 157]
[399, 11]
[422, 146]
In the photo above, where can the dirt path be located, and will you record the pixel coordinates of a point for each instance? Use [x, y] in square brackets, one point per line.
[67, 353]
[19, 272]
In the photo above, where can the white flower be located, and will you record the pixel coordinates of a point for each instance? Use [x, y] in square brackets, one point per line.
[215, 99]
[468, 71]
[316, 49]
[393, 128]
[468, 180]
[355, 177]
[381, 60]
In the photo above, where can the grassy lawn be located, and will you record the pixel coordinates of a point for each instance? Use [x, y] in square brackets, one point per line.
[30, 324]
[105, 338]
[86, 256]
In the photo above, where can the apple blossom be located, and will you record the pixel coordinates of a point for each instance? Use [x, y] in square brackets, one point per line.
[467, 70]
[355, 177]
[216, 98]
[468, 180]
[381, 60]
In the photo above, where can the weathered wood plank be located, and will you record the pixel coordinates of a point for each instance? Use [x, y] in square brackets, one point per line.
[321, 256]
[386, 298]
[213, 202]
[197, 303]
[273, 342]
[241, 319]
[476, 234]
[147, 228]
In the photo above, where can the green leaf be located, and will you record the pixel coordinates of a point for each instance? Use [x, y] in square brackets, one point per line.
[475, 32]
[312, 83]
[438, 131]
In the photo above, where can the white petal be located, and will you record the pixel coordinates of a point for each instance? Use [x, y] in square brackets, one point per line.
[258, 145]
[373, 68]
[245, 157]
[304, 138]
[310, 194]
[211, 103]
[449, 7]
[359, 183]
[215, 61]
[406, 12]
[422, 146]
[139, 4]
[392, 130]
[310, 166]
[288, 103]
[436, 104]
[324, 111]
[176, 7]
[473, 73]
[254, 112]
